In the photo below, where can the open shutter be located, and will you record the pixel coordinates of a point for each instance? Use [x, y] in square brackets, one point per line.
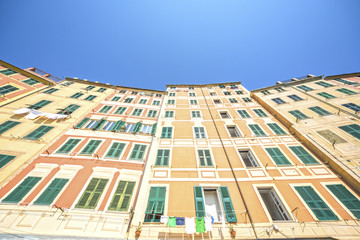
[151, 201]
[347, 198]
[118, 126]
[137, 127]
[199, 201]
[160, 200]
[50, 193]
[153, 130]
[20, 191]
[82, 123]
[228, 207]
[99, 124]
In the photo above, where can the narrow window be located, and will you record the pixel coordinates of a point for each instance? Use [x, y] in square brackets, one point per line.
[172, 94]
[22, 190]
[30, 81]
[90, 148]
[158, 95]
[162, 158]
[248, 158]
[50, 91]
[191, 94]
[89, 87]
[227, 93]
[90, 98]
[91, 124]
[199, 132]
[193, 102]
[108, 126]
[122, 91]
[134, 93]
[224, 115]
[68, 146]
[233, 100]
[212, 94]
[51, 192]
[101, 90]
[38, 133]
[116, 99]
[7, 126]
[247, 99]
[128, 100]
[138, 152]
[137, 112]
[69, 109]
[217, 101]
[324, 84]
[171, 102]
[7, 72]
[352, 129]
[233, 131]
[273, 204]
[239, 92]
[143, 101]
[352, 106]
[92, 194]
[303, 155]
[278, 157]
[156, 103]
[156, 204]
[205, 158]
[295, 97]
[346, 91]
[122, 196]
[166, 132]
[265, 92]
[279, 89]
[345, 81]
[5, 159]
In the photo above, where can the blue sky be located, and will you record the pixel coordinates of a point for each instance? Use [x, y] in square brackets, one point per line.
[151, 43]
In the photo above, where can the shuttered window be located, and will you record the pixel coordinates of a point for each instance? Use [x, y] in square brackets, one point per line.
[276, 128]
[233, 100]
[40, 104]
[21, 190]
[69, 109]
[137, 127]
[199, 132]
[166, 132]
[92, 194]
[347, 198]
[90, 148]
[99, 124]
[278, 157]
[256, 129]
[7, 126]
[138, 152]
[38, 133]
[5, 159]
[89, 87]
[246, 99]
[30, 81]
[295, 97]
[105, 109]
[199, 201]
[193, 102]
[143, 101]
[77, 95]
[243, 113]
[128, 100]
[352, 106]
[68, 146]
[51, 90]
[172, 102]
[352, 129]
[319, 110]
[90, 98]
[7, 89]
[205, 158]
[115, 150]
[162, 158]
[120, 110]
[153, 130]
[324, 84]
[195, 114]
[51, 192]
[298, 115]
[152, 113]
[315, 203]
[305, 88]
[156, 204]
[346, 91]
[101, 90]
[304, 155]
[7, 72]
[155, 102]
[118, 127]
[122, 196]
[260, 113]
[278, 100]
[137, 112]
[82, 123]
[116, 98]
[326, 95]
[227, 203]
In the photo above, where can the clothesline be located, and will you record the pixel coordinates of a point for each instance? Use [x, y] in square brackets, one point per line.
[32, 114]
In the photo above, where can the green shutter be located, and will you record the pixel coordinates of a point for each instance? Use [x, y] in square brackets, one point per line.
[82, 123]
[243, 113]
[77, 95]
[99, 124]
[92, 194]
[316, 204]
[276, 128]
[137, 127]
[347, 198]
[90, 147]
[162, 158]
[118, 126]
[255, 128]
[199, 201]
[69, 109]
[122, 196]
[156, 203]
[68, 146]
[40, 104]
[7, 125]
[352, 129]
[304, 156]
[166, 132]
[50, 193]
[20, 191]
[277, 156]
[115, 150]
[138, 152]
[38, 133]
[228, 207]
[153, 130]
[5, 159]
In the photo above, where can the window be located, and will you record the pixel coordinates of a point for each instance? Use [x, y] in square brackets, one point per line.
[346, 91]
[256, 129]
[69, 109]
[147, 129]
[68, 146]
[171, 102]
[243, 113]
[30, 81]
[172, 94]
[129, 127]
[128, 100]
[162, 158]
[105, 109]
[276, 128]
[278, 100]
[152, 113]
[115, 150]
[169, 114]
[352, 129]
[193, 102]
[158, 95]
[120, 110]
[155, 205]
[5, 159]
[217, 101]
[352, 106]
[248, 159]
[279, 89]
[227, 93]
[122, 196]
[137, 112]
[91, 124]
[239, 92]
[246, 99]
[212, 94]
[315, 203]
[191, 88]
[143, 101]
[138, 152]
[90, 98]
[156, 103]
[51, 192]
[67, 83]
[101, 90]
[320, 111]
[7, 72]
[347, 198]
[331, 137]
[195, 114]
[278, 157]
[221, 86]
[273, 204]
[7, 89]
[109, 126]
[326, 95]
[205, 158]
[50, 91]
[92, 193]
[224, 115]
[303, 155]
[260, 112]
[77, 95]
[199, 132]
[122, 91]
[207, 203]
[298, 115]
[345, 81]
[134, 93]
[305, 88]
[265, 92]
[89, 87]
[39, 105]
[233, 131]
[21, 190]
[90, 148]
[7, 126]
[295, 97]
[324, 84]
[233, 100]
[116, 99]
[166, 132]
[38, 133]
[191, 94]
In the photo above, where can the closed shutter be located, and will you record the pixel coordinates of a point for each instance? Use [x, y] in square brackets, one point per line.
[115, 150]
[20, 191]
[352, 129]
[277, 156]
[138, 152]
[118, 126]
[7, 125]
[347, 198]
[304, 156]
[316, 204]
[99, 124]
[92, 194]
[228, 207]
[156, 202]
[40, 104]
[50, 193]
[276, 128]
[82, 123]
[38, 133]
[199, 201]
[122, 196]
[162, 158]
[137, 127]
[153, 130]
[166, 132]
[91, 147]
[256, 130]
[68, 146]
[5, 159]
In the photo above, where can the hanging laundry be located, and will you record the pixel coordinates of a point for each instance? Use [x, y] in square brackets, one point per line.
[34, 114]
[61, 116]
[180, 221]
[208, 223]
[172, 222]
[190, 225]
[212, 219]
[163, 219]
[22, 111]
[200, 224]
[51, 115]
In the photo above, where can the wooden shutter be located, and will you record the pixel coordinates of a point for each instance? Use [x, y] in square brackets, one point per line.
[277, 156]
[156, 202]
[352, 129]
[38, 133]
[20, 191]
[40, 104]
[201, 157]
[228, 207]
[138, 152]
[137, 127]
[5, 159]
[92, 194]
[347, 198]
[162, 158]
[115, 150]
[208, 157]
[122, 196]
[304, 156]
[256, 130]
[91, 147]
[199, 201]
[276, 128]
[99, 124]
[153, 130]
[68, 146]
[118, 126]
[7, 125]
[151, 201]
[50, 193]
[82, 123]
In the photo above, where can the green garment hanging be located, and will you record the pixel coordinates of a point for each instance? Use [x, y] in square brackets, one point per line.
[172, 222]
[200, 224]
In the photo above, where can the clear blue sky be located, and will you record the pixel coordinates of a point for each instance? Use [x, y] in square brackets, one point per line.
[151, 43]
